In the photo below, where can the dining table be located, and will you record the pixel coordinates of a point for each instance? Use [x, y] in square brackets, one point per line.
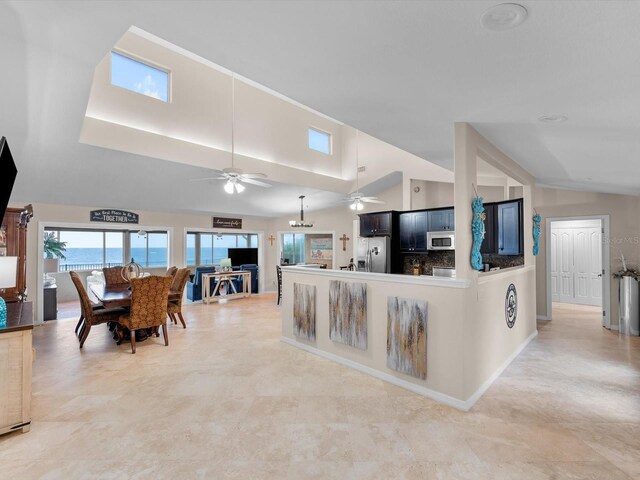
[120, 296]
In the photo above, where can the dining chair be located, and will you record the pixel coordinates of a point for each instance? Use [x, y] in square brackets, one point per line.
[148, 306]
[279, 273]
[113, 277]
[174, 309]
[171, 272]
[91, 316]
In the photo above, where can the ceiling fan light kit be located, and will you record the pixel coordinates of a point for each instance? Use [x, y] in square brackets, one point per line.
[301, 223]
[234, 176]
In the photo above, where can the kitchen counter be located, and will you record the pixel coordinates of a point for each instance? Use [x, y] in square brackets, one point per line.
[426, 280]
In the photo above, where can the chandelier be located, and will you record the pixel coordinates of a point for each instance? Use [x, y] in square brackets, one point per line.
[301, 223]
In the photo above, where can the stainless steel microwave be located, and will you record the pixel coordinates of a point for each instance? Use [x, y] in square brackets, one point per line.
[441, 240]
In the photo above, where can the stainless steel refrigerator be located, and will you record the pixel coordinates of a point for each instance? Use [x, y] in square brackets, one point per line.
[374, 254]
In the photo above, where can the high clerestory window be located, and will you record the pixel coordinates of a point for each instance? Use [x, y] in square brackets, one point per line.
[319, 141]
[139, 77]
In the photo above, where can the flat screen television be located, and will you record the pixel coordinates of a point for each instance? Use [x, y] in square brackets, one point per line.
[8, 172]
[243, 256]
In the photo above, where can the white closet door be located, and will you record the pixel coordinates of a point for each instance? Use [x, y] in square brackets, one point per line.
[588, 269]
[565, 265]
[555, 277]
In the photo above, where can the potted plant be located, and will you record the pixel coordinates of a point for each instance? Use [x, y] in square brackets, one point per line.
[53, 251]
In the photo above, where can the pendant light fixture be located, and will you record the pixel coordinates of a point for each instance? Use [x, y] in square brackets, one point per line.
[301, 223]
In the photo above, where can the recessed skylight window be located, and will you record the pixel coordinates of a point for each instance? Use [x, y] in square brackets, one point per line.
[320, 141]
[139, 77]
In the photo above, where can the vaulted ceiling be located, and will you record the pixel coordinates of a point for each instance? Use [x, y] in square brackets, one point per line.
[400, 71]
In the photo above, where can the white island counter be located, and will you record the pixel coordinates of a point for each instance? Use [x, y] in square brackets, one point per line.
[468, 342]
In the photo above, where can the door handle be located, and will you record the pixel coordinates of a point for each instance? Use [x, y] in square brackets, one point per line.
[599, 274]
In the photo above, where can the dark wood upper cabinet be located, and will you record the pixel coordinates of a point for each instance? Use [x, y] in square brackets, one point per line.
[441, 220]
[503, 228]
[490, 242]
[413, 231]
[510, 228]
[376, 224]
[13, 243]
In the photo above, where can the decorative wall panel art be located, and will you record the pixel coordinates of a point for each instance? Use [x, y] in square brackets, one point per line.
[304, 311]
[407, 336]
[348, 313]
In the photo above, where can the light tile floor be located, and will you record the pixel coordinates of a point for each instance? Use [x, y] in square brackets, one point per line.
[226, 400]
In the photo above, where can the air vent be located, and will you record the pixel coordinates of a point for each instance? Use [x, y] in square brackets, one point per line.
[362, 169]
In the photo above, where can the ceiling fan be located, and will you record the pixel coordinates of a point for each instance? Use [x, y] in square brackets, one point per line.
[234, 176]
[358, 199]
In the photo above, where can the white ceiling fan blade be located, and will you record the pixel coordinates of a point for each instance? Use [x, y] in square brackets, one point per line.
[370, 200]
[253, 175]
[255, 182]
[208, 178]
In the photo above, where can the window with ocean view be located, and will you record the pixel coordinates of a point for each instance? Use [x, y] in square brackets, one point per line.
[93, 249]
[204, 248]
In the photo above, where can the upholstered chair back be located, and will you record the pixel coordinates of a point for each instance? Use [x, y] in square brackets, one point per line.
[149, 296]
[113, 277]
[171, 271]
[179, 282]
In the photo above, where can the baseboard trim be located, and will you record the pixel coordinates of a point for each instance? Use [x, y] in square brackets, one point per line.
[425, 392]
[464, 405]
[546, 318]
[485, 386]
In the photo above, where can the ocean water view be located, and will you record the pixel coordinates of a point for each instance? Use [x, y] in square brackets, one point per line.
[157, 256]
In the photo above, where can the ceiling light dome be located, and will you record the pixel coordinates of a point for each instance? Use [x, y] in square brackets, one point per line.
[553, 118]
[504, 16]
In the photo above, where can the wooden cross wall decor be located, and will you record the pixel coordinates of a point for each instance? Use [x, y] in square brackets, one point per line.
[271, 239]
[344, 240]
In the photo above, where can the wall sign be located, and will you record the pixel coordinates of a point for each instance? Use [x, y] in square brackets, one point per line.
[511, 306]
[222, 222]
[113, 216]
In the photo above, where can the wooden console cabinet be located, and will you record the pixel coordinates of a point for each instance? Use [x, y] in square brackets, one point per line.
[16, 357]
[13, 243]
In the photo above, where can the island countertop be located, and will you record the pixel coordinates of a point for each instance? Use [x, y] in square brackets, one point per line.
[382, 277]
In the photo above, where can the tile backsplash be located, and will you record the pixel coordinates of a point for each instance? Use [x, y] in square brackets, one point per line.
[503, 261]
[436, 258]
[447, 258]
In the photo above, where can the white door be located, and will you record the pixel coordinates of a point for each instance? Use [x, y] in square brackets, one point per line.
[576, 264]
[588, 266]
[565, 265]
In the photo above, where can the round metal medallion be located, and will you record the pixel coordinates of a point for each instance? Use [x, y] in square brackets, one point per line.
[511, 306]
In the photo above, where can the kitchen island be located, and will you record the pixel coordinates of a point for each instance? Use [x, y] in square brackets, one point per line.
[444, 338]
[467, 342]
